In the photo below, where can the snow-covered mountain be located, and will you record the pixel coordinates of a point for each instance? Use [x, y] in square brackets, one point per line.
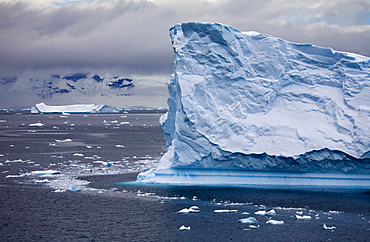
[71, 88]
[256, 102]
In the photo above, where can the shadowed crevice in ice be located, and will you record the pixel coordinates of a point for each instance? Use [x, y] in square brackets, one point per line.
[252, 101]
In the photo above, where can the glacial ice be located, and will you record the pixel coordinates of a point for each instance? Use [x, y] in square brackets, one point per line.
[246, 101]
[76, 108]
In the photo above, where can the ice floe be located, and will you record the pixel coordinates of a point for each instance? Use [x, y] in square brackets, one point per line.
[275, 222]
[37, 125]
[183, 227]
[192, 209]
[266, 213]
[225, 211]
[250, 220]
[328, 227]
[303, 217]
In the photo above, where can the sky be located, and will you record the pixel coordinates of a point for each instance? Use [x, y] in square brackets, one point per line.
[131, 36]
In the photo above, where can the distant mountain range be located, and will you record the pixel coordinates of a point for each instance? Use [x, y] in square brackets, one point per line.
[72, 88]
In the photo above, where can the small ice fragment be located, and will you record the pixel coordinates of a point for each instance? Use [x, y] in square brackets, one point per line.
[275, 222]
[299, 212]
[3, 121]
[43, 181]
[225, 211]
[75, 189]
[250, 220]
[45, 173]
[1, 164]
[193, 209]
[245, 213]
[328, 227]
[37, 125]
[304, 217]
[260, 212]
[119, 146]
[268, 213]
[63, 140]
[59, 190]
[183, 227]
[271, 212]
[254, 226]
[78, 154]
[88, 146]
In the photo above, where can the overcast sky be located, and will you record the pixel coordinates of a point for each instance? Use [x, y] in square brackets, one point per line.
[131, 37]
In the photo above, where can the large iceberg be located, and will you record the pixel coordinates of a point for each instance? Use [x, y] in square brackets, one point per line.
[246, 101]
[75, 108]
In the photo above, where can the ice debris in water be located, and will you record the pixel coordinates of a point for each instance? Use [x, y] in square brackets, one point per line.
[275, 222]
[45, 173]
[63, 140]
[328, 227]
[303, 217]
[183, 227]
[192, 209]
[266, 213]
[250, 220]
[36, 125]
[225, 211]
[75, 189]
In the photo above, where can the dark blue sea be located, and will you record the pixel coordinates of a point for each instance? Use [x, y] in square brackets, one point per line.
[71, 178]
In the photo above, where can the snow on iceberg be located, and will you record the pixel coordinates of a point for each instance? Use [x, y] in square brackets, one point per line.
[77, 108]
[254, 102]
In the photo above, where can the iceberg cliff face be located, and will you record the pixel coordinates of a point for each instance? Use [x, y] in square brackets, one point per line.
[257, 102]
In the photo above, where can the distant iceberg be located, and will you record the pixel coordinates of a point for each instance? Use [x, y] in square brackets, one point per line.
[77, 108]
[250, 108]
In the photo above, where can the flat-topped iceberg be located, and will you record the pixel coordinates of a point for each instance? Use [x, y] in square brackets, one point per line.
[254, 102]
[77, 108]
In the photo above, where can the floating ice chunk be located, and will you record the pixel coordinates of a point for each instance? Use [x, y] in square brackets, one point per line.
[63, 140]
[3, 121]
[183, 227]
[37, 125]
[250, 220]
[1, 164]
[75, 189]
[119, 146]
[268, 213]
[303, 217]
[299, 212]
[14, 176]
[89, 146]
[15, 161]
[275, 222]
[271, 212]
[59, 190]
[78, 154]
[328, 227]
[45, 173]
[225, 211]
[43, 181]
[193, 209]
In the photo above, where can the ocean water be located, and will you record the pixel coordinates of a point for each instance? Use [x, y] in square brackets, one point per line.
[70, 178]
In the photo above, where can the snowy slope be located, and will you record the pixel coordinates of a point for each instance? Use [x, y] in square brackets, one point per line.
[257, 102]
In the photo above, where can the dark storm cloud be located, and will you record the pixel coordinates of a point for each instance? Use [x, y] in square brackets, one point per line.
[132, 36]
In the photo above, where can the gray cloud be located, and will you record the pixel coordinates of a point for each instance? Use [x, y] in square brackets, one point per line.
[132, 36]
